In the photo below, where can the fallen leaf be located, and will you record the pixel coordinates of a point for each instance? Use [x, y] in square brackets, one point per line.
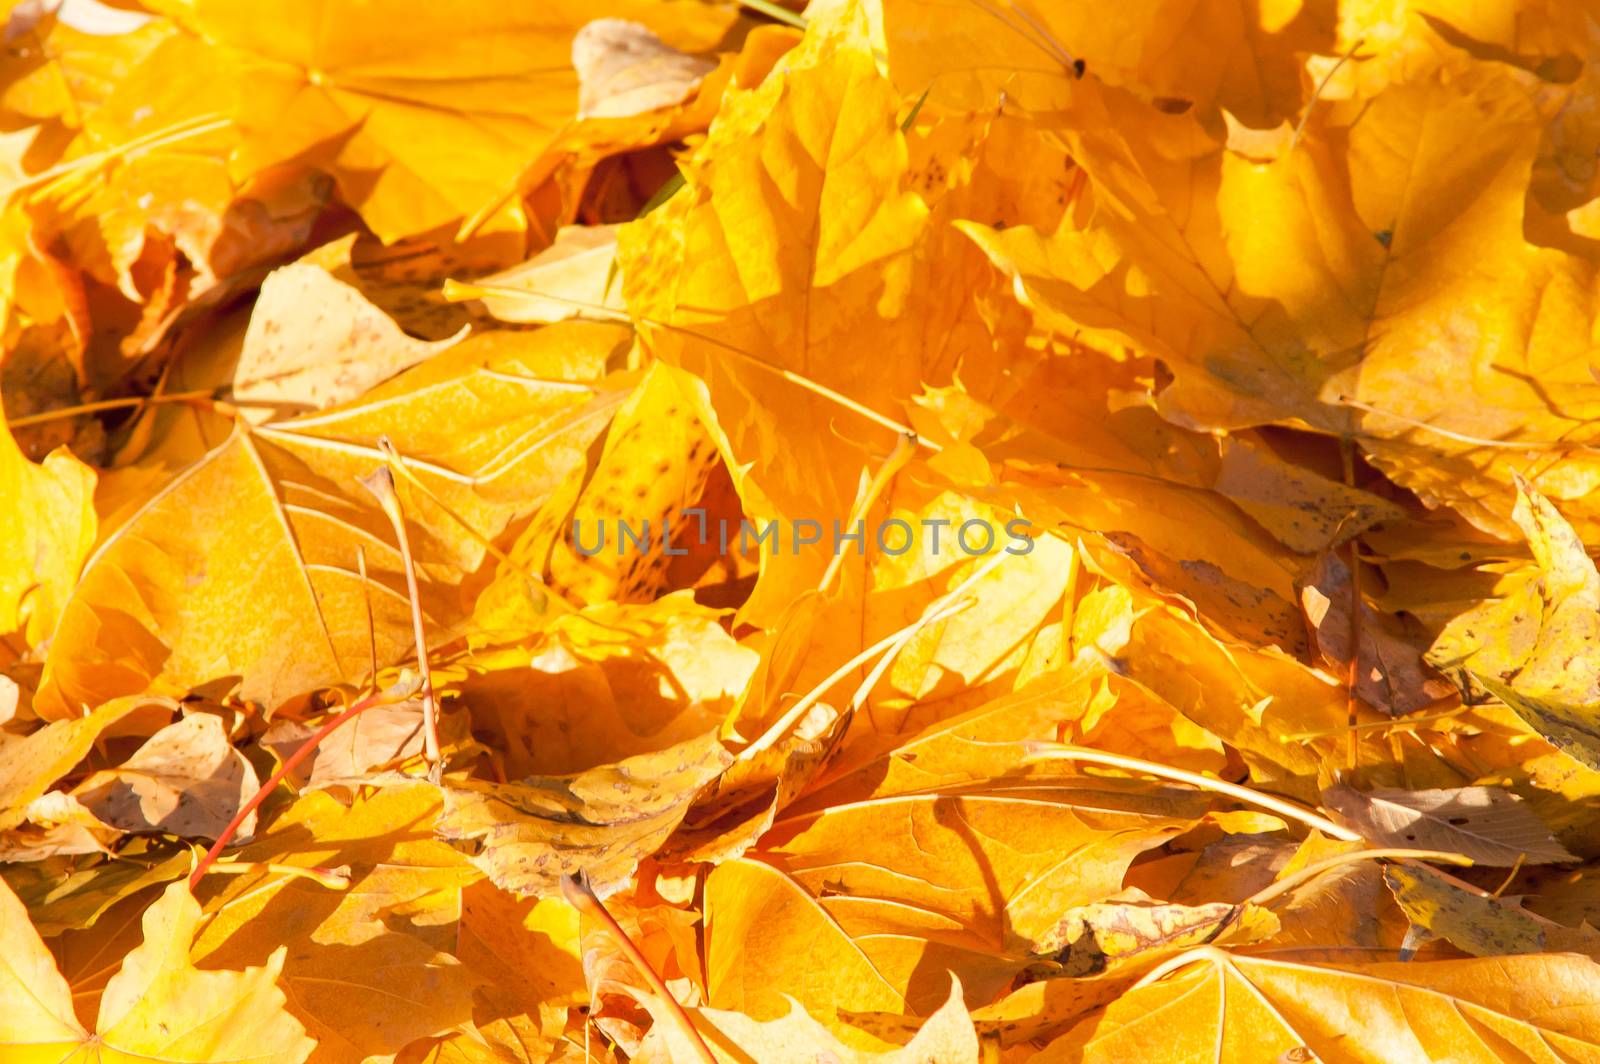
[78, 900]
[625, 69]
[1474, 923]
[1487, 824]
[245, 566]
[946, 1037]
[1535, 649]
[57, 824]
[186, 780]
[770, 946]
[1307, 514]
[1228, 1007]
[602, 822]
[609, 682]
[379, 736]
[28, 766]
[1090, 938]
[1004, 860]
[1390, 674]
[781, 277]
[575, 277]
[314, 342]
[367, 970]
[158, 1007]
[957, 48]
[375, 119]
[50, 523]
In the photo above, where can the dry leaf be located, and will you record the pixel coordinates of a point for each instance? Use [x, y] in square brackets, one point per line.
[57, 824]
[602, 822]
[609, 682]
[28, 766]
[377, 939]
[379, 736]
[1004, 860]
[575, 277]
[414, 147]
[813, 270]
[1390, 675]
[625, 69]
[50, 525]
[247, 562]
[314, 342]
[1489, 825]
[1090, 938]
[186, 780]
[1308, 514]
[1535, 649]
[1472, 922]
[1204, 299]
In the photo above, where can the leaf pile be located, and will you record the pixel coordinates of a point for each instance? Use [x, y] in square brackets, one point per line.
[1092, 505]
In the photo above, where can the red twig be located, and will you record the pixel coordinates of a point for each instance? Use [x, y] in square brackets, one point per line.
[290, 763]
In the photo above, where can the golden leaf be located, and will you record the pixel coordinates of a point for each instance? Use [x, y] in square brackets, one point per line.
[1223, 1006]
[49, 522]
[314, 342]
[244, 568]
[947, 1037]
[351, 953]
[158, 1007]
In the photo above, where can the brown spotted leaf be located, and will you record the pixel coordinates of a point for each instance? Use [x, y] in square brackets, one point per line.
[532, 832]
[1489, 825]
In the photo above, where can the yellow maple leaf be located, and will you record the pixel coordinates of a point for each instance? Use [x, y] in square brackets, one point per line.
[158, 1007]
[48, 520]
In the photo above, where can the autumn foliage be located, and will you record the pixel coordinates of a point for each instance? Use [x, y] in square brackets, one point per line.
[1092, 504]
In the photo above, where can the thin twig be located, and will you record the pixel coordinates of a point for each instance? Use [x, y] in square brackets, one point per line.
[606, 313]
[366, 600]
[1300, 126]
[332, 878]
[104, 404]
[1515, 868]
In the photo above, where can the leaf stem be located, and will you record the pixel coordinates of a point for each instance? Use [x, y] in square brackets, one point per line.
[946, 605]
[104, 404]
[1315, 869]
[583, 898]
[904, 447]
[332, 878]
[381, 483]
[1056, 752]
[1376, 725]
